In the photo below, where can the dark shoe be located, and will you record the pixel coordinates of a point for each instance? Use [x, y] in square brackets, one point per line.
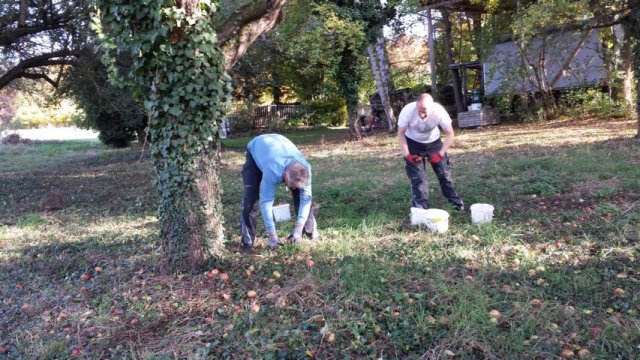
[247, 248]
[461, 209]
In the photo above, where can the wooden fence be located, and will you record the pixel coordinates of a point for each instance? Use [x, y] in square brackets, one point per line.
[265, 115]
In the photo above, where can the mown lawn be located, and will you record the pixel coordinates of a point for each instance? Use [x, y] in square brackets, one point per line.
[555, 275]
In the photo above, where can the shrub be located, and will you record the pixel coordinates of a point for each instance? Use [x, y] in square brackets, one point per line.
[14, 139]
[113, 129]
[241, 118]
[591, 102]
[329, 112]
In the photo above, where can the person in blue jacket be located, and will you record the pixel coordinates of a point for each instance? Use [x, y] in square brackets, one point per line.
[273, 159]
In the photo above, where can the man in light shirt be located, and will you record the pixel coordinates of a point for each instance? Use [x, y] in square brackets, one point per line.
[272, 159]
[419, 127]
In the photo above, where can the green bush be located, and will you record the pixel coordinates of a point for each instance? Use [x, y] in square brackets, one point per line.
[114, 129]
[592, 102]
[241, 118]
[328, 112]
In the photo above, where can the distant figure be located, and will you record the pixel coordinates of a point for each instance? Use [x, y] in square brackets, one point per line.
[272, 159]
[419, 126]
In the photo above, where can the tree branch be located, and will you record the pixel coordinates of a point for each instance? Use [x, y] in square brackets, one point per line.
[36, 76]
[20, 70]
[245, 25]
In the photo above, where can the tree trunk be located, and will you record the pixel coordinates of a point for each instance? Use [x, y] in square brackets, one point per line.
[636, 47]
[626, 67]
[455, 75]
[191, 223]
[381, 84]
[185, 90]
[432, 52]
[141, 134]
[349, 79]
[383, 62]
[354, 123]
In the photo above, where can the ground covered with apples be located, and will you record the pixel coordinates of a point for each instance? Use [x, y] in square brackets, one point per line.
[555, 275]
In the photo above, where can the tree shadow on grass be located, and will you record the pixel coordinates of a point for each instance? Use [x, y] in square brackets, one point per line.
[112, 185]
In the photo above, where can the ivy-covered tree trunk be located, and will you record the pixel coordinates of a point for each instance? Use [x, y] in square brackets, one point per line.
[631, 24]
[179, 62]
[349, 79]
[637, 73]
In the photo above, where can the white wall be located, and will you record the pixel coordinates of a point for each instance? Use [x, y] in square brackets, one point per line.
[501, 70]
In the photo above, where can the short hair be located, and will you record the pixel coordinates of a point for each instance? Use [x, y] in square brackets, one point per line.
[297, 173]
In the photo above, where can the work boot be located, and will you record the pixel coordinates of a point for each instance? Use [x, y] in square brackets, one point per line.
[310, 228]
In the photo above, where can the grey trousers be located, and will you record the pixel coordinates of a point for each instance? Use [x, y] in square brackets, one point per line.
[251, 178]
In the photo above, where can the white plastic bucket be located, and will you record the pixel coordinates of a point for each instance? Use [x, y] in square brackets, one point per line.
[281, 212]
[481, 213]
[435, 220]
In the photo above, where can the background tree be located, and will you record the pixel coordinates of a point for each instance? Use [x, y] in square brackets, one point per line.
[111, 110]
[39, 37]
[180, 53]
[631, 23]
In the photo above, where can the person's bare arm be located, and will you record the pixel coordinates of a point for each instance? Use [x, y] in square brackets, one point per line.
[403, 142]
[448, 140]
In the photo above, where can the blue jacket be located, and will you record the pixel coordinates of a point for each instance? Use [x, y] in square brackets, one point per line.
[273, 153]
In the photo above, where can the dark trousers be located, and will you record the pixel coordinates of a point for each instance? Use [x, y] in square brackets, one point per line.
[418, 176]
[251, 177]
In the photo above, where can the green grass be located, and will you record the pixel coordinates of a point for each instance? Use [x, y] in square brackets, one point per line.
[298, 137]
[555, 273]
[39, 155]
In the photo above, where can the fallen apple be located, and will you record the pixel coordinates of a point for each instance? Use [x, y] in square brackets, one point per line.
[618, 292]
[536, 303]
[255, 308]
[310, 263]
[584, 354]
[75, 352]
[251, 294]
[567, 354]
[495, 314]
[86, 276]
[331, 337]
[224, 277]
[208, 320]
[569, 311]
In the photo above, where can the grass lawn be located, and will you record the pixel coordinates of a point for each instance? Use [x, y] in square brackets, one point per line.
[555, 275]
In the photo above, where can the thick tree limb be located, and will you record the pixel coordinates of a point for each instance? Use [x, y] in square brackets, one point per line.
[245, 25]
[61, 57]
